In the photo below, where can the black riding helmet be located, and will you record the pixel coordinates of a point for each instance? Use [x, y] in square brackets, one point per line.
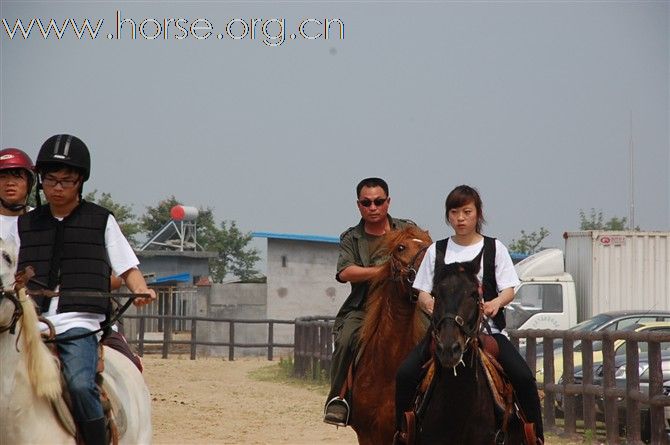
[63, 150]
[66, 150]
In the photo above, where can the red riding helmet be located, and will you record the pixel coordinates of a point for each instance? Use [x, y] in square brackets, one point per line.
[12, 158]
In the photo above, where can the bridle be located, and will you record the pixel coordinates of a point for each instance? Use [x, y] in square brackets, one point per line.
[16, 315]
[470, 332]
[406, 272]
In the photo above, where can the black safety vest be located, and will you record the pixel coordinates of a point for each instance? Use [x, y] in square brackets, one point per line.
[489, 284]
[70, 253]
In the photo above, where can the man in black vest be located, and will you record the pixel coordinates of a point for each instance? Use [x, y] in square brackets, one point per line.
[74, 245]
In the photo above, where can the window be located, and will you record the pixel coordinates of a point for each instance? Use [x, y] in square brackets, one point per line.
[541, 297]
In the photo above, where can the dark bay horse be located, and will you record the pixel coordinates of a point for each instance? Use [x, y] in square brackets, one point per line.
[392, 327]
[460, 409]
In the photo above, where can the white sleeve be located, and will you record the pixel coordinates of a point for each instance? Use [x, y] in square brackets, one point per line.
[425, 274]
[121, 255]
[505, 273]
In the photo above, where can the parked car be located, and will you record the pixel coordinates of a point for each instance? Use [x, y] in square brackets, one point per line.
[607, 321]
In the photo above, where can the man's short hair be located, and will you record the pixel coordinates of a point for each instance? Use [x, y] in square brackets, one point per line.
[372, 182]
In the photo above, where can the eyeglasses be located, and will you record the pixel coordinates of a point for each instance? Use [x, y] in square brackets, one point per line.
[65, 183]
[377, 202]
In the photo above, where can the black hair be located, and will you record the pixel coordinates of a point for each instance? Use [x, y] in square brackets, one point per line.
[372, 182]
[463, 195]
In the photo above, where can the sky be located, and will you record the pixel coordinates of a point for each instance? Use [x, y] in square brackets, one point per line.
[536, 104]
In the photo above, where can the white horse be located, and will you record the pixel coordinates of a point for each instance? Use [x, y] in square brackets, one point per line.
[30, 377]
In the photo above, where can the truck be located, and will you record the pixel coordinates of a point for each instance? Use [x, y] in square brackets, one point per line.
[598, 271]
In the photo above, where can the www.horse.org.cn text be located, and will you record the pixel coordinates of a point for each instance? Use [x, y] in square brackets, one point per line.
[270, 31]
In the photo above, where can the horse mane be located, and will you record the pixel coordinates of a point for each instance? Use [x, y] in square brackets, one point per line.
[42, 366]
[377, 307]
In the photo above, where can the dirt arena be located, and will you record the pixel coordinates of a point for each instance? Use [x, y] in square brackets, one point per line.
[213, 401]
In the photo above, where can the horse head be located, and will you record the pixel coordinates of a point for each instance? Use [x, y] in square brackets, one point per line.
[7, 265]
[457, 313]
[406, 249]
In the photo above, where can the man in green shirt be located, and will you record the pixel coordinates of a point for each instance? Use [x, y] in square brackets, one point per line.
[361, 257]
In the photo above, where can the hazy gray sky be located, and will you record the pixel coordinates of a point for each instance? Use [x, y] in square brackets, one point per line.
[528, 101]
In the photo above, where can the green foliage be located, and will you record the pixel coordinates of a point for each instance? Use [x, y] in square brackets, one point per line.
[123, 213]
[529, 243]
[596, 221]
[235, 258]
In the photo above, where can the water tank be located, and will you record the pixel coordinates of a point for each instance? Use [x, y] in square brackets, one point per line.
[183, 213]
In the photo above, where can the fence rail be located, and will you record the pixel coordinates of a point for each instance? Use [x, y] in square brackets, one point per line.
[168, 321]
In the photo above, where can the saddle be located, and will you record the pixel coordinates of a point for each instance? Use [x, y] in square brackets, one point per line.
[499, 385]
[115, 414]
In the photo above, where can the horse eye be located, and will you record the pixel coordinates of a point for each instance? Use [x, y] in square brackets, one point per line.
[6, 257]
[401, 248]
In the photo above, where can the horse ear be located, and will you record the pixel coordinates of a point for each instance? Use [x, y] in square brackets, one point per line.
[474, 265]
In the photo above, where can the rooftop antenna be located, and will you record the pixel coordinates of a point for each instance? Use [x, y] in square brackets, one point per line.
[631, 173]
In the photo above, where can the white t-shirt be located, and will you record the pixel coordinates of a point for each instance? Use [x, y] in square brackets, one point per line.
[121, 257]
[505, 273]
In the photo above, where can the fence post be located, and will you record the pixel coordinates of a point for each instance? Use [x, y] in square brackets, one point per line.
[656, 412]
[167, 335]
[569, 403]
[589, 399]
[270, 340]
[231, 341]
[609, 383]
[298, 349]
[140, 338]
[549, 380]
[194, 333]
[632, 384]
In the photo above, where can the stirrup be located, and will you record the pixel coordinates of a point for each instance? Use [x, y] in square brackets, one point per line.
[338, 399]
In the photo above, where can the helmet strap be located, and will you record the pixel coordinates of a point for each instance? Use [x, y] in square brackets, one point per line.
[12, 207]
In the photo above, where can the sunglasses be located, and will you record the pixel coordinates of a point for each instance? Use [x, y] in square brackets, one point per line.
[377, 202]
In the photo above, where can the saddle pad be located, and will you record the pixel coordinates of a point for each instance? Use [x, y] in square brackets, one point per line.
[501, 388]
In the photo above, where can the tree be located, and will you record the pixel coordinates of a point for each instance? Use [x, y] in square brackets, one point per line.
[529, 243]
[123, 213]
[595, 221]
[234, 256]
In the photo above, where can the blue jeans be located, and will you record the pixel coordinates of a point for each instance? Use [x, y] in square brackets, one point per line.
[79, 359]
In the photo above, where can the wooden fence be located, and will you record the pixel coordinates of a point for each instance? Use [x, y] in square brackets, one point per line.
[607, 392]
[168, 321]
[313, 350]
[313, 356]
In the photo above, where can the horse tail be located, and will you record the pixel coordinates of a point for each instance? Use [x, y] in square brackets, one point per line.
[43, 369]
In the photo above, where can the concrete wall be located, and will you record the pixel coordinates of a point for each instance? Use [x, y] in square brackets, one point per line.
[301, 281]
[233, 300]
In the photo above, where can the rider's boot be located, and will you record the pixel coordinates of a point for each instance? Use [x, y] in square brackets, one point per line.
[94, 432]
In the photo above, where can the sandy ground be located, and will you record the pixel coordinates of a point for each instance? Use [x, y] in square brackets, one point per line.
[213, 401]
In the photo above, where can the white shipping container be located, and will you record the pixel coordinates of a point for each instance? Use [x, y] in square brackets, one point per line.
[616, 270]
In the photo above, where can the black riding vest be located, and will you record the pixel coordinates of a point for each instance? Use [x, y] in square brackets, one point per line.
[70, 253]
[489, 284]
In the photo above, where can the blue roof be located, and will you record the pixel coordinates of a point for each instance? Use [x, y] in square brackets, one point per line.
[173, 279]
[297, 237]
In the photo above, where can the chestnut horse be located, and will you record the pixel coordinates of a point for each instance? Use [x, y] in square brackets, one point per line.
[392, 327]
[460, 408]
